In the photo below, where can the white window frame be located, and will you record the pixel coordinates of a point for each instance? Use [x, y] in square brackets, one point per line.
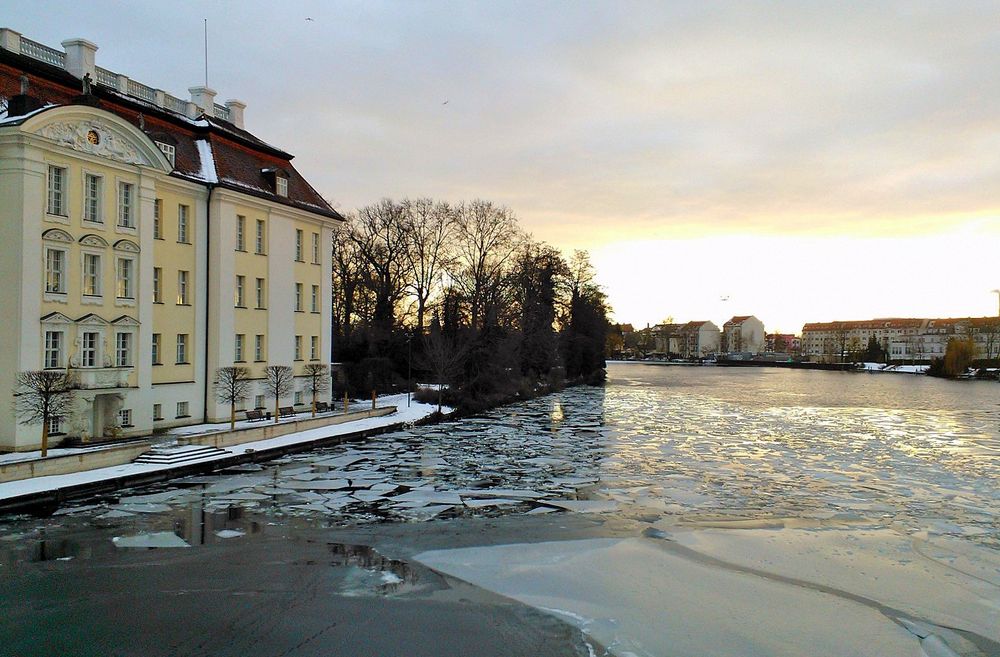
[183, 287]
[58, 274]
[155, 347]
[238, 347]
[316, 255]
[298, 347]
[169, 151]
[281, 186]
[98, 276]
[314, 347]
[126, 204]
[157, 412]
[258, 348]
[125, 284]
[299, 238]
[261, 291]
[297, 398]
[260, 245]
[298, 297]
[125, 417]
[123, 348]
[240, 300]
[183, 215]
[90, 355]
[181, 355]
[183, 409]
[93, 204]
[158, 219]
[315, 298]
[56, 190]
[241, 232]
[55, 425]
[54, 352]
[157, 284]
[258, 401]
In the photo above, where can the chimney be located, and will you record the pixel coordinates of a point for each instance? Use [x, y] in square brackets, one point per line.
[10, 40]
[236, 108]
[204, 98]
[80, 57]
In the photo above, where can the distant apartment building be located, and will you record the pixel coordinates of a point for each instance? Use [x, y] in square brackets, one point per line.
[742, 334]
[667, 339]
[699, 339]
[901, 338]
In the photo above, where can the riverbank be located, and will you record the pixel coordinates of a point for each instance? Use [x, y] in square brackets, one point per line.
[46, 493]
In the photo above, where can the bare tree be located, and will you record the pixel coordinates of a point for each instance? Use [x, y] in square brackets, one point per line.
[318, 381]
[428, 229]
[232, 386]
[442, 357]
[278, 381]
[378, 233]
[486, 238]
[42, 395]
[351, 296]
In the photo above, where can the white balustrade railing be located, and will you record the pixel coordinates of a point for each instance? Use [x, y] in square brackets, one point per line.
[43, 53]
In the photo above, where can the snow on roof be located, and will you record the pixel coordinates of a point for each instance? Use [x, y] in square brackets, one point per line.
[207, 172]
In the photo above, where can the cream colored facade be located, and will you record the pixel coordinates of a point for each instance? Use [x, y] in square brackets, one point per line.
[121, 271]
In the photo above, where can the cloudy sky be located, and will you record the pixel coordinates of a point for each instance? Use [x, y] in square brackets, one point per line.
[798, 161]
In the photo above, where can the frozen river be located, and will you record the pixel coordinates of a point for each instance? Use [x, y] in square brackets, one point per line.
[703, 443]
[700, 454]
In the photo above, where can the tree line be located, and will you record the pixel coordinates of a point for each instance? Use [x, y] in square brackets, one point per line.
[460, 295]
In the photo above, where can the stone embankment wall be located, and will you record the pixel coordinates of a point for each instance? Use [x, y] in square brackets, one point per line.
[104, 457]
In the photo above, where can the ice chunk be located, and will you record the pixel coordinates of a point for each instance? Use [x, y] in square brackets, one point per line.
[230, 533]
[319, 484]
[153, 540]
[584, 506]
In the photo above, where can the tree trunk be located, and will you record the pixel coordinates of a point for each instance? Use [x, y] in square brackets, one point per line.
[277, 401]
[232, 416]
[45, 437]
[314, 403]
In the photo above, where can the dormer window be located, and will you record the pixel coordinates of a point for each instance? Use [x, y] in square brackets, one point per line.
[277, 177]
[168, 150]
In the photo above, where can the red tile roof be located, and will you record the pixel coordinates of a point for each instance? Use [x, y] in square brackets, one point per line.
[239, 156]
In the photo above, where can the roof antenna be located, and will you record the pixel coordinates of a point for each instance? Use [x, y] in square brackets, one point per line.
[206, 52]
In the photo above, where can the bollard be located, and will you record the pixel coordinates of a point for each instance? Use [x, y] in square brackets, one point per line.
[345, 402]
[373, 400]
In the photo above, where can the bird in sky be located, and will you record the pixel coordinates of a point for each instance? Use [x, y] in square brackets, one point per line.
[309, 19]
[446, 102]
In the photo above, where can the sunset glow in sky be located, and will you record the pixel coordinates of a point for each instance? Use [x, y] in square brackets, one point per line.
[805, 161]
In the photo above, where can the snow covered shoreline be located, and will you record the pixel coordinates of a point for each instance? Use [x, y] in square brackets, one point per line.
[59, 487]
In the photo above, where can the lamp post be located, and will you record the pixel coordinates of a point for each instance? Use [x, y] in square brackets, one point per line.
[409, 367]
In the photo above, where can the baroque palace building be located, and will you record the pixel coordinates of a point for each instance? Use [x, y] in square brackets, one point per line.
[145, 242]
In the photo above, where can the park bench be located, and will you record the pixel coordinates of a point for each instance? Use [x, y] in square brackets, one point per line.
[322, 407]
[257, 416]
[286, 411]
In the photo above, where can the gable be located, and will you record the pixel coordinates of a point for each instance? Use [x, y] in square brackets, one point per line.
[96, 132]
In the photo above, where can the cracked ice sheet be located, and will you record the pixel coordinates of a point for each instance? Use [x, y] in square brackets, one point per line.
[640, 599]
[945, 581]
